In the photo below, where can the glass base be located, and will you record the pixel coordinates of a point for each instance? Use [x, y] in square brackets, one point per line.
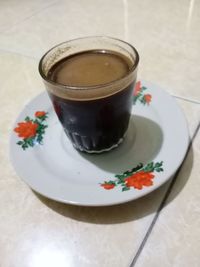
[102, 150]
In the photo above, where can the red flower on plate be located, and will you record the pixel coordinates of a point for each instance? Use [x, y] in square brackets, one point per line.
[147, 98]
[140, 179]
[31, 131]
[108, 185]
[26, 129]
[40, 114]
[137, 178]
[137, 88]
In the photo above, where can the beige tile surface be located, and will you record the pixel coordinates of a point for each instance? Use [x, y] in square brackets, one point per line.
[40, 232]
[166, 34]
[192, 114]
[63, 21]
[14, 12]
[175, 238]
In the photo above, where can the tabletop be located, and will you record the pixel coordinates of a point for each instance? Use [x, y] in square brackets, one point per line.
[160, 229]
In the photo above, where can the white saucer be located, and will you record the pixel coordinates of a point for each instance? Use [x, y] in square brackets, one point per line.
[157, 133]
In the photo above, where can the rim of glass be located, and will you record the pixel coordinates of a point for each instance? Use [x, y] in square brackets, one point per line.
[70, 87]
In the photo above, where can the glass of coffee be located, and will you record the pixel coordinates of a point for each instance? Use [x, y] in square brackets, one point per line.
[90, 82]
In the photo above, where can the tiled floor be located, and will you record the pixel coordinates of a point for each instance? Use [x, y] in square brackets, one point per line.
[161, 229]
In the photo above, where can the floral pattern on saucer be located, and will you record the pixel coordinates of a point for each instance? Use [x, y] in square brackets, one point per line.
[31, 131]
[138, 177]
[138, 94]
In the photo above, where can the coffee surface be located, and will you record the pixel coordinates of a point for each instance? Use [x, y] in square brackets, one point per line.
[90, 68]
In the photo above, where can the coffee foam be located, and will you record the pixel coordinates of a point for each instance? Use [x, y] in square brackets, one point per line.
[91, 92]
[66, 49]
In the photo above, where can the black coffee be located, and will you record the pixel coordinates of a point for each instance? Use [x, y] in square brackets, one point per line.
[99, 122]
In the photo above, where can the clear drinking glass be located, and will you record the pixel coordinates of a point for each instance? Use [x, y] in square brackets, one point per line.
[95, 118]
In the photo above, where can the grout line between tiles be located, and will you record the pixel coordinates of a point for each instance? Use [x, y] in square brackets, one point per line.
[186, 99]
[143, 243]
